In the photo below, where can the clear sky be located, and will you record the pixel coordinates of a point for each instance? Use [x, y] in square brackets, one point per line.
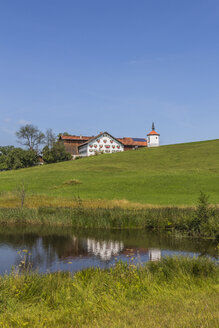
[87, 66]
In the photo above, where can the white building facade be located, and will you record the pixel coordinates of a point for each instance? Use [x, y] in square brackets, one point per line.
[103, 143]
[153, 138]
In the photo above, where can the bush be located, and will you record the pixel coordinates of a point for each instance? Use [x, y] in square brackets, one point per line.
[56, 154]
[15, 158]
[204, 216]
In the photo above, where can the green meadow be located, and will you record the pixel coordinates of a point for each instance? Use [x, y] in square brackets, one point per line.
[168, 175]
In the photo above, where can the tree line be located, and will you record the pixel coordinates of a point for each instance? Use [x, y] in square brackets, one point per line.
[37, 145]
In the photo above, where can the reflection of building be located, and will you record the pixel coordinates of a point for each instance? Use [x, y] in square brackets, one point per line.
[73, 248]
[135, 251]
[154, 254]
[104, 249]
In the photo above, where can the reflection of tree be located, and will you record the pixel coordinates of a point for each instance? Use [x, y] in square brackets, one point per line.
[37, 256]
[26, 236]
[42, 251]
[17, 240]
[47, 247]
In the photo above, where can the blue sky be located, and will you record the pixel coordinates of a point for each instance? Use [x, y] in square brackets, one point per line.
[87, 66]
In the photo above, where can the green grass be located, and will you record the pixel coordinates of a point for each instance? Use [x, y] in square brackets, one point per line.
[176, 220]
[172, 293]
[168, 175]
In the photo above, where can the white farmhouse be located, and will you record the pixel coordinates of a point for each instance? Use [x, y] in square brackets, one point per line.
[82, 146]
[153, 138]
[102, 143]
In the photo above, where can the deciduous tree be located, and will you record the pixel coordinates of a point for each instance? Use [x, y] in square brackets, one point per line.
[50, 138]
[30, 136]
[19, 158]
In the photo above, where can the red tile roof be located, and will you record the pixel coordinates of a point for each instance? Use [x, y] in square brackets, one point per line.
[100, 134]
[153, 133]
[131, 142]
[75, 138]
[125, 141]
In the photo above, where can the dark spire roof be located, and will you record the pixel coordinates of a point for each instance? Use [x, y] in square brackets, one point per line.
[153, 132]
[153, 127]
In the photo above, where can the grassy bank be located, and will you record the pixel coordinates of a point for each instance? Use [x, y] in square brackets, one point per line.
[172, 293]
[167, 176]
[182, 220]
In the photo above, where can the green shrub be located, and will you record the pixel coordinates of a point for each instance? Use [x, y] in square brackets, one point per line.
[204, 218]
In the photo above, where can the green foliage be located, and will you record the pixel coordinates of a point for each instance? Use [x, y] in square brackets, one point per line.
[56, 153]
[5, 150]
[3, 165]
[20, 158]
[15, 158]
[205, 217]
[64, 134]
[174, 292]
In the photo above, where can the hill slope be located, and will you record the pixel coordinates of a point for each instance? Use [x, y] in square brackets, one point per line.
[168, 175]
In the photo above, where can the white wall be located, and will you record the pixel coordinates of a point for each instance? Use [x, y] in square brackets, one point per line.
[153, 141]
[83, 151]
[105, 143]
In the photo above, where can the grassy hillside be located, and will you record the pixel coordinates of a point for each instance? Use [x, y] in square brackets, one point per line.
[168, 175]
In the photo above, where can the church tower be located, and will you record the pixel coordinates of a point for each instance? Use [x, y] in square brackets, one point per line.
[153, 138]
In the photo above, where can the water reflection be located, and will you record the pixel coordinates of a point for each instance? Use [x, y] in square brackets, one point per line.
[154, 254]
[61, 249]
[105, 250]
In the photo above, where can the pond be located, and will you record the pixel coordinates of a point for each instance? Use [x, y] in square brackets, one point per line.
[54, 249]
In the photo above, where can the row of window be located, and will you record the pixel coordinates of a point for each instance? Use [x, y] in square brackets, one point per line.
[104, 151]
[106, 146]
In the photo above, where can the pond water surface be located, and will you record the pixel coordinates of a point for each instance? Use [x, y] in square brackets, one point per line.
[53, 249]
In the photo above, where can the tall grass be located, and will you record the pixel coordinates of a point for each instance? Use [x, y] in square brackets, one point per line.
[173, 219]
[175, 292]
